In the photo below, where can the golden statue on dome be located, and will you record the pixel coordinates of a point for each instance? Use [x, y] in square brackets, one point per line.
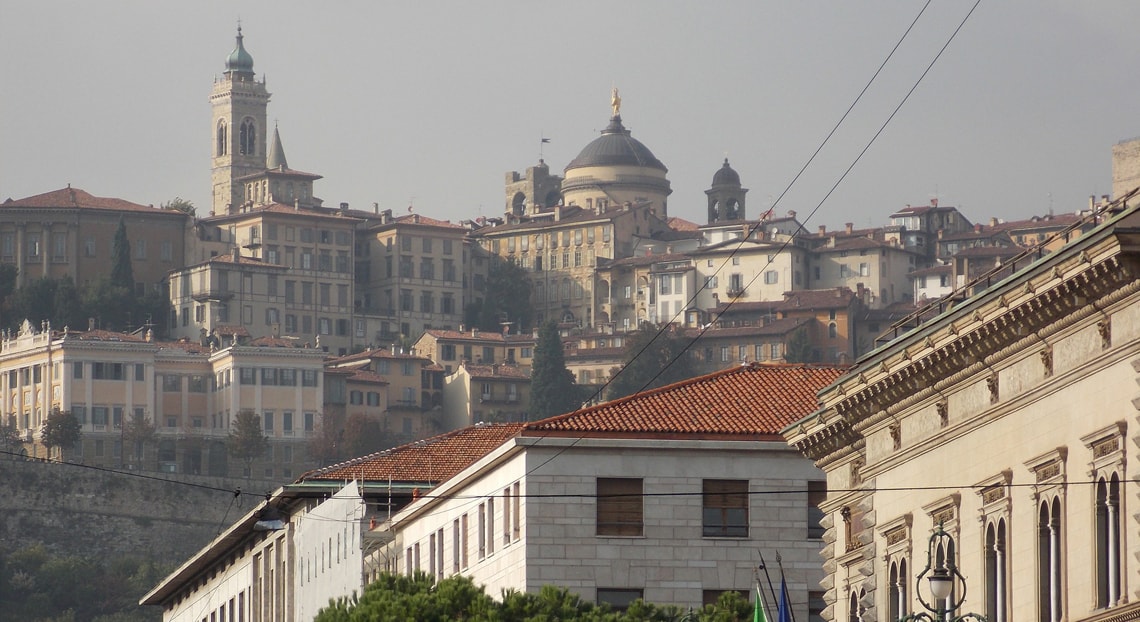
[615, 102]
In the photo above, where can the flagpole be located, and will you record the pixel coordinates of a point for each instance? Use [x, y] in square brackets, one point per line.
[784, 586]
[764, 567]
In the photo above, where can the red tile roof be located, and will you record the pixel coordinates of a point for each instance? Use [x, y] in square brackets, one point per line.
[836, 298]
[480, 335]
[374, 353]
[367, 377]
[433, 459]
[680, 224]
[498, 370]
[75, 198]
[754, 401]
[275, 342]
[778, 327]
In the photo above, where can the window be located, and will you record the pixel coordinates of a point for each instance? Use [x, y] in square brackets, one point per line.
[248, 375]
[618, 598]
[288, 377]
[996, 565]
[269, 376]
[356, 397]
[864, 269]
[171, 383]
[310, 421]
[725, 508]
[771, 277]
[482, 531]
[619, 506]
[817, 494]
[77, 370]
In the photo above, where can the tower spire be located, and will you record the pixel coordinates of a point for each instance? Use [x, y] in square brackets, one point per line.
[277, 152]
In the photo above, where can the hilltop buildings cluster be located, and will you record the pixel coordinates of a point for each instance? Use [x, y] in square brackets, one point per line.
[988, 395]
[269, 265]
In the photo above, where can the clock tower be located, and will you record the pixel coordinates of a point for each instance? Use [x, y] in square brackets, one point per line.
[239, 103]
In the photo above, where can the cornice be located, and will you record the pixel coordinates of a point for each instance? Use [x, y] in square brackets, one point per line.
[1060, 289]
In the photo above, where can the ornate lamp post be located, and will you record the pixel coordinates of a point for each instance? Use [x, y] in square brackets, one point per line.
[942, 574]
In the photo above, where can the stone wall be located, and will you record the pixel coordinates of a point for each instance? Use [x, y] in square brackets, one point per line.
[71, 509]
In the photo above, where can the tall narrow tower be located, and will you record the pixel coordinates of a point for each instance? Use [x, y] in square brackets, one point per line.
[239, 105]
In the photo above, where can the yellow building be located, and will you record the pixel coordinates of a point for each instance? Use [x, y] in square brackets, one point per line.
[189, 393]
[69, 232]
[450, 348]
[412, 400]
[412, 275]
[499, 392]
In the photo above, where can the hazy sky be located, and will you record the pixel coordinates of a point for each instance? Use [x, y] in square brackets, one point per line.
[433, 102]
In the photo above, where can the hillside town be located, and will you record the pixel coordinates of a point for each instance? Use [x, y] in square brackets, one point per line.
[856, 393]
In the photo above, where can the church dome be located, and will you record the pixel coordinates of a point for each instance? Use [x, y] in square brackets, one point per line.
[239, 60]
[615, 147]
[725, 176]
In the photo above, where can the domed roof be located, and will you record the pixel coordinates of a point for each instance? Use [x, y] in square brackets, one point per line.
[725, 176]
[615, 147]
[239, 59]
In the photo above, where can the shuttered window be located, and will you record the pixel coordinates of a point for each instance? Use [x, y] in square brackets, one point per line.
[619, 506]
[725, 508]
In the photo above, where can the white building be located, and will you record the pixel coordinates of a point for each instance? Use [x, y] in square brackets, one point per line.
[665, 495]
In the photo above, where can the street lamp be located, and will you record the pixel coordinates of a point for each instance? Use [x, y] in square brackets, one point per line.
[942, 575]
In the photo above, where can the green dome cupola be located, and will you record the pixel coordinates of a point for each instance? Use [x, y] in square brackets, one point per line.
[239, 60]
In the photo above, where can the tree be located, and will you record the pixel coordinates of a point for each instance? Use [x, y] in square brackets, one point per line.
[652, 360]
[67, 309]
[391, 597]
[138, 430]
[61, 429]
[33, 302]
[326, 445]
[111, 305]
[10, 436]
[181, 205]
[122, 273]
[798, 347]
[246, 441]
[552, 387]
[507, 298]
[8, 273]
[364, 435]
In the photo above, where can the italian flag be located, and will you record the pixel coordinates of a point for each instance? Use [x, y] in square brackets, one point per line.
[760, 614]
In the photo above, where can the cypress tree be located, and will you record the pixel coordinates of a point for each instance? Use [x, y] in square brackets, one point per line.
[552, 388]
[122, 274]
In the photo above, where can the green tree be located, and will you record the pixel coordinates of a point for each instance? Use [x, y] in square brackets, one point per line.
[652, 360]
[122, 273]
[10, 436]
[67, 308]
[35, 302]
[8, 273]
[506, 299]
[326, 444]
[552, 387]
[181, 205]
[111, 305]
[61, 429]
[246, 441]
[798, 347]
[138, 430]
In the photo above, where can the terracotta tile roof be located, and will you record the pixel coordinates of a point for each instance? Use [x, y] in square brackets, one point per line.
[836, 298]
[781, 326]
[280, 172]
[571, 214]
[756, 306]
[68, 198]
[755, 401]
[103, 335]
[280, 208]
[680, 224]
[420, 219]
[978, 233]
[190, 347]
[856, 243]
[481, 335]
[374, 353]
[274, 342]
[433, 459]
[367, 377]
[227, 330]
[646, 260]
[504, 371]
[229, 258]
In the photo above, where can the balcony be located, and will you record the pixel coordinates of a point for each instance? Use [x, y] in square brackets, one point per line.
[212, 295]
[736, 292]
[253, 241]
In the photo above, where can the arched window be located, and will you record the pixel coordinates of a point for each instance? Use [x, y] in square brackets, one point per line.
[1049, 560]
[832, 330]
[995, 576]
[897, 593]
[1107, 541]
[223, 138]
[247, 138]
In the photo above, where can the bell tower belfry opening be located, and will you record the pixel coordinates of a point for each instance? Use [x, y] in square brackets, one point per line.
[239, 102]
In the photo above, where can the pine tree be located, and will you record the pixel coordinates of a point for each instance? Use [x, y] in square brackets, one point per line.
[122, 274]
[552, 388]
[246, 441]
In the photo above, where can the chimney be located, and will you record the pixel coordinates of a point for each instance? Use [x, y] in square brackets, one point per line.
[462, 328]
[978, 228]
[90, 323]
[237, 254]
[1092, 201]
[557, 213]
[385, 216]
[791, 213]
[823, 229]
[848, 227]
[993, 221]
[474, 332]
[376, 208]
[934, 202]
[343, 206]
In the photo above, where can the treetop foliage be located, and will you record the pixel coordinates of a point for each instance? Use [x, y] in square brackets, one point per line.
[652, 361]
[552, 387]
[391, 597]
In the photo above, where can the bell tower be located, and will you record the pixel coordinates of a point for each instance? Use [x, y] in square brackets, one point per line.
[726, 197]
[239, 104]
